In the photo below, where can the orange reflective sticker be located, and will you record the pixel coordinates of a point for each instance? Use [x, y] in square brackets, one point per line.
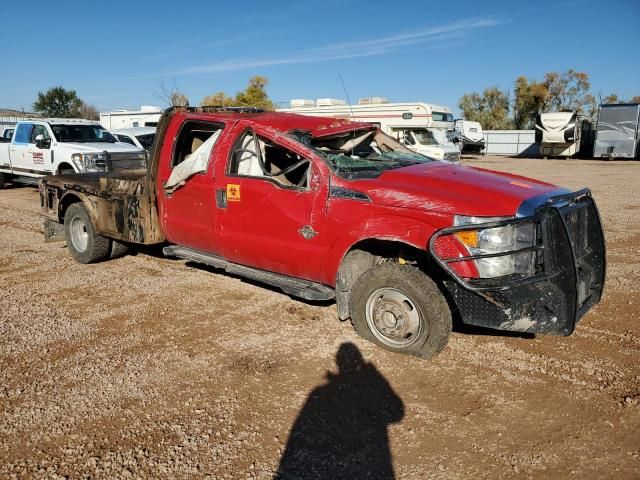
[233, 192]
[521, 184]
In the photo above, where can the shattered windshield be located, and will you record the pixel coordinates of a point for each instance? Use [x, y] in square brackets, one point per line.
[82, 133]
[425, 137]
[361, 153]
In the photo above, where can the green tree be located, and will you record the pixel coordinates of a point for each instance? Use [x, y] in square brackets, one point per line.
[491, 108]
[568, 91]
[58, 102]
[217, 100]
[255, 95]
[529, 100]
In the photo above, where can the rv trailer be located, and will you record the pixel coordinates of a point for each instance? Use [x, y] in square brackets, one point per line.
[469, 136]
[617, 133]
[147, 116]
[563, 134]
[420, 126]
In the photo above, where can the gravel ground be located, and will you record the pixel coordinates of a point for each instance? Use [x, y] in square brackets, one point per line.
[149, 367]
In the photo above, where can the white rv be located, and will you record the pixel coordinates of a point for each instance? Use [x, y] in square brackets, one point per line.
[420, 126]
[147, 116]
[562, 134]
[469, 136]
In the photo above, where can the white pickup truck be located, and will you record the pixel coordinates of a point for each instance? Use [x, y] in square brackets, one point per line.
[53, 146]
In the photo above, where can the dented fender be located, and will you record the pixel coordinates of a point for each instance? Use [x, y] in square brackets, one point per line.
[401, 229]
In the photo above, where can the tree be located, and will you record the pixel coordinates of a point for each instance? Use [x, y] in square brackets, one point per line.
[529, 100]
[172, 96]
[88, 111]
[254, 95]
[568, 91]
[58, 102]
[613, 98]
[217, 100]
[491, 108]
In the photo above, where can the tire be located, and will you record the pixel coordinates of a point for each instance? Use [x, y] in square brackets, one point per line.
[2, 180]
[84, 244]
[118, 249]
[388, 291]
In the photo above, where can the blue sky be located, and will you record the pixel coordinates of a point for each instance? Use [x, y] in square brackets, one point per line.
[116, 54]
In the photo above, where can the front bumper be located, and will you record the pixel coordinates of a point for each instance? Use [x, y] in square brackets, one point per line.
[568, 281]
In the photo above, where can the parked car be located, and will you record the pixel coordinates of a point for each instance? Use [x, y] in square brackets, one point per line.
[141, 137]
[41, 147]
[6, 135]
[325, 209]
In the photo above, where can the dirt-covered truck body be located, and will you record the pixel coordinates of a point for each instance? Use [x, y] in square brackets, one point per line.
[325, 208]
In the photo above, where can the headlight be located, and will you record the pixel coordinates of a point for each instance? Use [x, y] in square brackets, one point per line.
[89, 161]
[507, 238]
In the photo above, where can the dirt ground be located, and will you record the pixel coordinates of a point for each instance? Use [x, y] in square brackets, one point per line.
[149, 367]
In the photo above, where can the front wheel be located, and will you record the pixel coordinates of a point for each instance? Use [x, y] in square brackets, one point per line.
[401, 309]
[84, 244]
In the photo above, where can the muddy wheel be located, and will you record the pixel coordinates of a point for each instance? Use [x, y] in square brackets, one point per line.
[401, 309]
[85, 245]
[118, 249]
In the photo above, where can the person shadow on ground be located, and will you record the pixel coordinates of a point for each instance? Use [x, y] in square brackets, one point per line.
[341, 431]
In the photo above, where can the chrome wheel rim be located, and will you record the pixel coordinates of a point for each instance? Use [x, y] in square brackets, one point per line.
[393, 317]
[79, 235]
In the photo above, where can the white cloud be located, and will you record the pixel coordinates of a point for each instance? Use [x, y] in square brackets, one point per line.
[434, 37]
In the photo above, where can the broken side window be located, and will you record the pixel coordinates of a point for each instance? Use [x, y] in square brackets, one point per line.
[192, 152]
[256, 156]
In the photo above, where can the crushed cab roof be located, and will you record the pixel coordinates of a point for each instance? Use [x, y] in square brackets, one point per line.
[317, 126]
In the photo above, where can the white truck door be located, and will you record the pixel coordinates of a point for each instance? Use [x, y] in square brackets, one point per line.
[40, 148]
[19, 154]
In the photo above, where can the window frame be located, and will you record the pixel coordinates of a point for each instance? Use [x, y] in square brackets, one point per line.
[176, 142]
[238, 141]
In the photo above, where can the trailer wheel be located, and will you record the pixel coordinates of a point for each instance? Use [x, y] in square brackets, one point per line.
[85, 245]
[401, 309]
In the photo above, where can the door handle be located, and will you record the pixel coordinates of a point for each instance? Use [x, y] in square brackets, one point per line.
[221, 198]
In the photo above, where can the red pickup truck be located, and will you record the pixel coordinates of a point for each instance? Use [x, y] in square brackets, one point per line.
[324, 208]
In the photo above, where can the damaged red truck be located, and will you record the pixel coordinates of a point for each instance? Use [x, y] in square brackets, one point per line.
[324, 208]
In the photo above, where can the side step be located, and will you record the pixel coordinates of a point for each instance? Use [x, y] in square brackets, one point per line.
[293, 286]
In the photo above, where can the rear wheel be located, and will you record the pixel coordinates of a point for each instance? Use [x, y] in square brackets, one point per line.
[401, 309]
[85, 245]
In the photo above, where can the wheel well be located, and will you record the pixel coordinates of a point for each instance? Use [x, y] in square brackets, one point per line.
[65, 166]
[368, 253]
[65, 202]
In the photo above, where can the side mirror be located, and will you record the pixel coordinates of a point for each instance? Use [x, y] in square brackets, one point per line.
[41, 142]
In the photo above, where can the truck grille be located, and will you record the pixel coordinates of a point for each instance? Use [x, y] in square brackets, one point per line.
[452, 157]
[123, 161]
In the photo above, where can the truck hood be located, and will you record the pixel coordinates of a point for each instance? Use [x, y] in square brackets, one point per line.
[96, 147]
[454, 189]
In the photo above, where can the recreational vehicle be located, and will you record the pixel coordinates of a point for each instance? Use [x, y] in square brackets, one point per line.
[147, 116]
[468, 136]
[420, 126]
[563, 134]
[617, 131]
